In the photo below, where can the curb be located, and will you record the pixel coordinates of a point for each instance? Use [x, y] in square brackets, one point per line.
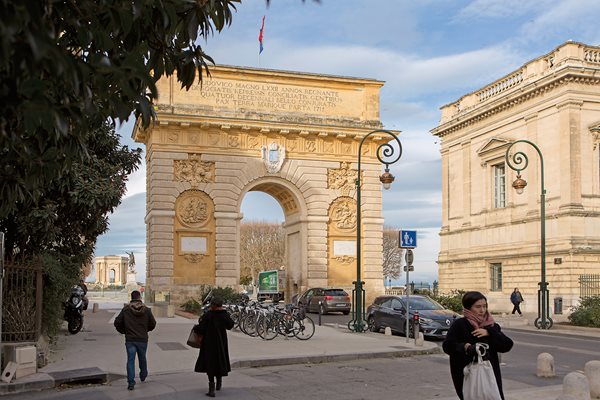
[42, 381]
[576, 333]
[322, 359]
[49, 380]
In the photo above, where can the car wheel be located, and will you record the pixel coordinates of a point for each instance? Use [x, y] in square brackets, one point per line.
[371, 324]
[346, 312]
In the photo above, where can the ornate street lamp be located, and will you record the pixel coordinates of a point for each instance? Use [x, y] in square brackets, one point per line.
[519, 163]
[385, 155]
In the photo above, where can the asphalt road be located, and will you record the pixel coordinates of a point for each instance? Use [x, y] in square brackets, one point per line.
[570, 352]
[414, 378]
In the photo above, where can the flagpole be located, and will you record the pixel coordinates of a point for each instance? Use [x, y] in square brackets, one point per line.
[260, 39]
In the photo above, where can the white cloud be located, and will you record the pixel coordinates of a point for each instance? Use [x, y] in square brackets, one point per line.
[558, 22]
[500, 8]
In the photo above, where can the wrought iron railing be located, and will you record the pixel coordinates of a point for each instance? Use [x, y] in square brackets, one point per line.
[21, 302]
[589, 285]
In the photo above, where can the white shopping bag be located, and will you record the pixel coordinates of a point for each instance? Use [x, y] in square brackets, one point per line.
[480, 382]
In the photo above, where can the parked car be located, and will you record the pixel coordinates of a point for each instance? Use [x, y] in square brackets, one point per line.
[435, 320]
[325, 300]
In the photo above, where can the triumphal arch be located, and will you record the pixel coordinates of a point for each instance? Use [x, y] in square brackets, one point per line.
[294, 136]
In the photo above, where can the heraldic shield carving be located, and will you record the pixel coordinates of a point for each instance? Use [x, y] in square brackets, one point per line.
[273, 156]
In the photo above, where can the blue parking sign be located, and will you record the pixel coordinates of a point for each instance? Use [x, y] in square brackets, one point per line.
[408, 239]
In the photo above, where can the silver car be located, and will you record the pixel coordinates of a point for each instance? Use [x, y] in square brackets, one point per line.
[325, 300]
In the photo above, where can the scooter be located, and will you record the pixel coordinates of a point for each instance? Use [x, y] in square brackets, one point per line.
[74, 310]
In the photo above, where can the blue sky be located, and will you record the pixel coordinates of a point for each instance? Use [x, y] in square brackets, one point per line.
[429, 53]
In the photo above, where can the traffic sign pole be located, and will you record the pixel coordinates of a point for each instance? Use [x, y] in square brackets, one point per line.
[407, 300]
[409, 257]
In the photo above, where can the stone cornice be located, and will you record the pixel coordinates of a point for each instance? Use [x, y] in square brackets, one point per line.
[517, 96]
[570, 212]
[304, 127]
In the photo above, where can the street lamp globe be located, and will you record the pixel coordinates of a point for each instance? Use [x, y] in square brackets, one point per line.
[519, 184]
[386, 179]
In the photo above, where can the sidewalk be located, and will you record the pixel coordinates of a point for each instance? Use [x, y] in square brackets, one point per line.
[560, 326]
[98, 354]
[98, 349]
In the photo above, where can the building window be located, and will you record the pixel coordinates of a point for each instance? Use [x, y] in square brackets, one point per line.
[499, 186]
[496, 277]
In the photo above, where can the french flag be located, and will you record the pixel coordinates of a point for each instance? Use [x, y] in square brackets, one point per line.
[260, 35]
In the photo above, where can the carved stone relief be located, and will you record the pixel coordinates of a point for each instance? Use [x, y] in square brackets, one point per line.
[195, 138]
[343, 213]
[253, 142]
[233, 141]
[347, 148]
[214, 138]
[595, 131]
[343, 179]
[172, 137]
[193, 170]
[328, 147]
[292, 144]
[345, 259]
[311, 145]
[193, 257]
[273, 157]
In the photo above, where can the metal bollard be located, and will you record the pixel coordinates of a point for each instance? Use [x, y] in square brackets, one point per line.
[416, 326]
[320, 308]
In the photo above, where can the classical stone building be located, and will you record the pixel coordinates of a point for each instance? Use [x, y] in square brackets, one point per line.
[294, 136]
[490, 236]
[111, 270]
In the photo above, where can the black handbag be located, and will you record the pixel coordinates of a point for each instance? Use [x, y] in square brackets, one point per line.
[195, 339]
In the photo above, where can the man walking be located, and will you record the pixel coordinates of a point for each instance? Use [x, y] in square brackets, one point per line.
[135, 321]
[516, 299]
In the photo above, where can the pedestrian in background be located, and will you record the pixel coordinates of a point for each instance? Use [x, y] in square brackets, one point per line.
[477, 326]
[516, 299]
[135, 321]
[214, 351]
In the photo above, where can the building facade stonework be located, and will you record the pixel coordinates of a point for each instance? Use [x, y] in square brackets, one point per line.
[294, 136]
[490, 235]
[111, 270]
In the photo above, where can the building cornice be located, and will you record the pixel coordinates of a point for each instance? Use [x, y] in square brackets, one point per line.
[570, 62]
[511, 100]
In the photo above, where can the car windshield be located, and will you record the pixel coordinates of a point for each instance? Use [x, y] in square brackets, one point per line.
[424, 303]
[335, 292]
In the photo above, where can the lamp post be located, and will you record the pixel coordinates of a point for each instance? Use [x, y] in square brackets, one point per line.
[386, 154]
[518, 163]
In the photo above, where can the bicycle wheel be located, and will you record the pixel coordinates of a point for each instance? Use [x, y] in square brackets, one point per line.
[250, 325]
[235, 316]
[304, 328]
[266, 328]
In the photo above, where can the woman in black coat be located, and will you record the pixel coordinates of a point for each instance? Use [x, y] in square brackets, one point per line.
[214, 352]
[477, 325]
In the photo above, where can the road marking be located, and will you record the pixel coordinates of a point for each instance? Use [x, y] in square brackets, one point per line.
[568, 349]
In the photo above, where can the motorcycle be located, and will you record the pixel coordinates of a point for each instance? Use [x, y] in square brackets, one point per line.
[74, 310]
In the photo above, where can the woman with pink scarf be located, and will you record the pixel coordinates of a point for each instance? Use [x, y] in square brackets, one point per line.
[477, 326]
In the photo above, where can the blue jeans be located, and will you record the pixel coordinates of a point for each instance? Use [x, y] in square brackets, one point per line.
[134, 348]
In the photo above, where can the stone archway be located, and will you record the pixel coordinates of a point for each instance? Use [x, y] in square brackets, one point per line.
[292, 135]
[296, 213]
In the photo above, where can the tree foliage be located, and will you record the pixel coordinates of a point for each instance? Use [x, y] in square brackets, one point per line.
[73, 210]
[262, 248]
[392, 254]
[587, 313]
[63, 61]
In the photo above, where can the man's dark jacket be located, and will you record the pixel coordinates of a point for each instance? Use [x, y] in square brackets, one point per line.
[135, 321]
[214, 353]
[454, 345]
